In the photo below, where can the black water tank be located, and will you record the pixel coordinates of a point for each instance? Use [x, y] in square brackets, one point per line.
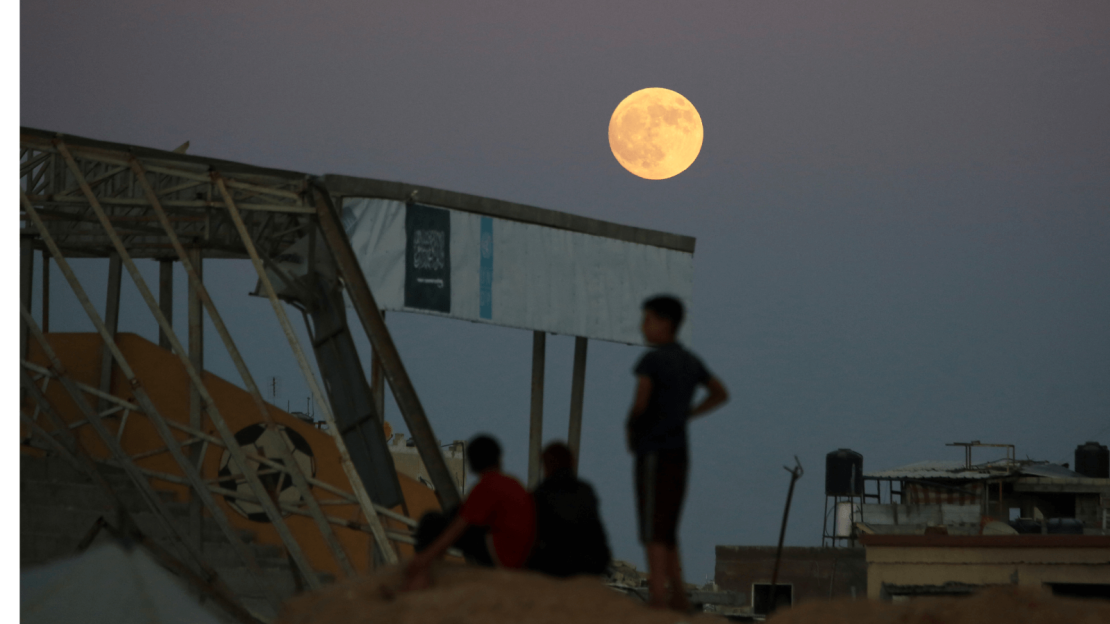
[1092, 460]
[843, 473]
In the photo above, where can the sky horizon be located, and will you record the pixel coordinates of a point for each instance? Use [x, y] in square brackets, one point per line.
[902, 212]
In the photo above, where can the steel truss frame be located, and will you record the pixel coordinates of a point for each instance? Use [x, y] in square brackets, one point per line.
[83, 198]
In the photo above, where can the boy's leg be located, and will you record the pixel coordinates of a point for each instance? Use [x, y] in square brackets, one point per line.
[671, 492]
[657, 559]
[679, 600]
[646, 474]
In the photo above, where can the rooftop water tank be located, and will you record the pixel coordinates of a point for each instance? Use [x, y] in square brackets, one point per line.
[843, 473]
[1092, 460]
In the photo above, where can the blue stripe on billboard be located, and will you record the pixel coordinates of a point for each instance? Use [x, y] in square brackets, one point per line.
[485, 275]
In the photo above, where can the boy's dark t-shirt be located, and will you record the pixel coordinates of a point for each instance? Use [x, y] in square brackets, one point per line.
[674, 373]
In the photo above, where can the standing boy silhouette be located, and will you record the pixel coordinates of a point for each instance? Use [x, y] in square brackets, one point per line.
[666, 378]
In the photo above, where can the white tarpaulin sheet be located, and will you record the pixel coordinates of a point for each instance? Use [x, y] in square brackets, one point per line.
[419, 258]
[107, 584]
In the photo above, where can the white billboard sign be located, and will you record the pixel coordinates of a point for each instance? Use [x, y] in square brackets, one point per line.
[432, 260]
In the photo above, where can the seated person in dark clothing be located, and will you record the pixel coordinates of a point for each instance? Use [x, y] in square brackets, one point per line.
[498, 504]
[569, 536]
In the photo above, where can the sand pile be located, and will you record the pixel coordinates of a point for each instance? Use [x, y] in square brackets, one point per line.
[463, 594]
[998, 605]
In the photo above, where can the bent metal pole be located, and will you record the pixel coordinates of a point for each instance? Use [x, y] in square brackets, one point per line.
[795, 474]
[284, 451]
[141, 397]
[248, 471]
[380, 539]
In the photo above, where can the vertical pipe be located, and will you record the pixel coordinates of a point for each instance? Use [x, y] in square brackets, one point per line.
[26, 274]
[577, 390]
[165, 298]
[196, 402]
[535, 430]
[111, 321]
[45, 291]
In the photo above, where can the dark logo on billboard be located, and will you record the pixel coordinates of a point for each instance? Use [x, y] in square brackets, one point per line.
[428, 258]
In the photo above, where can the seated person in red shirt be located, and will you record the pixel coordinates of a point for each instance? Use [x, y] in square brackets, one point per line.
[498, 502]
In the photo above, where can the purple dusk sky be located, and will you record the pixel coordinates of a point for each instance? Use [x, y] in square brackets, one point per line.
[902, 210]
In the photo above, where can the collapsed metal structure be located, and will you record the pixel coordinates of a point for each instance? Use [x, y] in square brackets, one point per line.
[85, 198]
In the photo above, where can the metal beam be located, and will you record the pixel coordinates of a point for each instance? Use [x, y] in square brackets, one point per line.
[195, 336]
[577, 390]
[165, 297]
[111, 321]
[192, 262]
[153, 501]
[366, 504]
[377, 380]
[535, 428]
[374, 324]
[191, 473]
[141, 397]
[26, 275]
[349, 186]
[45, 291]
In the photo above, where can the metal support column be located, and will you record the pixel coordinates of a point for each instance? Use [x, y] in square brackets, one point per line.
[165, 297]
[535, 429]
[45, 291]
[196, 356]
[111, 321]
[377, 380]
[577, 391]
[372, 322]
[365, 503]
[26, 274]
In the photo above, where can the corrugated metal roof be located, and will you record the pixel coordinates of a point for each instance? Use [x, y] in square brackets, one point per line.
[1051, 471]
[956, 469]
[932, 470]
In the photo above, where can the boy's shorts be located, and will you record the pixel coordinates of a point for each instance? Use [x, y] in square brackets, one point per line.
[660, 490]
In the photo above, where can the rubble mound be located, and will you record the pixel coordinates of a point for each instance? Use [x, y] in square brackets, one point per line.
[465, 594]
[997, 605]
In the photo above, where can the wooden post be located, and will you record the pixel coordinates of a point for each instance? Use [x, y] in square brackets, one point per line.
[196, 402]
[535, 429]
[165, 297]
[26, 274]
[45, 291]
[111, 321]
[577, 390]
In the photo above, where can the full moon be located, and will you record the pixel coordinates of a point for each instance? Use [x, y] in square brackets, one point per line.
[655, 133]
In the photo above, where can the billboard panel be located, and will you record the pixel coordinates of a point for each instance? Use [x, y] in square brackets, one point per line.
[433, 260]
